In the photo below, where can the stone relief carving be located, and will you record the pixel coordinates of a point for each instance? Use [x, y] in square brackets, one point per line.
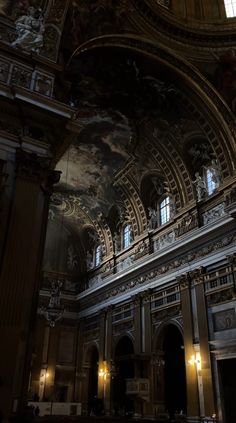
[141, 249]
[213, 214]
[164, 241]
[187, 223]
[127, 262]
[30, 29]
[96, 280]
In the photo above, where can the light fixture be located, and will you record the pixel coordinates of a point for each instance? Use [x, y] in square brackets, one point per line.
[196, 360]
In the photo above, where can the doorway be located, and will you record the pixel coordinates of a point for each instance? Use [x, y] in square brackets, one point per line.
[124, 363]
[173, 371]
[227, 375]
[92, 379]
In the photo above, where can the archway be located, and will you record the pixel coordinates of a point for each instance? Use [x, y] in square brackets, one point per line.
[174, 373]
[171, 379]
[124, 364]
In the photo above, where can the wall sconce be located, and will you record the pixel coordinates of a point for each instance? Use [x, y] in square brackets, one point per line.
[196, 359]
[103, 372]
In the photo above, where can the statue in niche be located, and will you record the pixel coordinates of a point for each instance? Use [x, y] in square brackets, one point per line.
[153, 218]
[30, 29]
[200, 186]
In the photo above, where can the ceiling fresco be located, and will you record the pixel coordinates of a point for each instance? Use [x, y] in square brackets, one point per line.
[120, 100]
[91, 163]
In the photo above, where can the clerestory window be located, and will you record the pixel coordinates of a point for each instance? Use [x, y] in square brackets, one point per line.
[98, 255]
[230, 8]
[126, 235]
[165, 210]
[210, 181]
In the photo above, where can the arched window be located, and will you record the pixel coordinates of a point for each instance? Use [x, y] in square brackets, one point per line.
[210, 181]
[98, 255]
[230, 8]
[164, 209]
[127, 235]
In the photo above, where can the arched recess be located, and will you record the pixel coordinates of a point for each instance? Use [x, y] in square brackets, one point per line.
[169, 370]
[208, 108]
[91, 358]
[124, 365]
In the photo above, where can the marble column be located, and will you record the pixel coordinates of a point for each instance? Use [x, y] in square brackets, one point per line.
[20, 275]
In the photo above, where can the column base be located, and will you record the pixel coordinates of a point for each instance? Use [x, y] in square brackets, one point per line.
[193, 419]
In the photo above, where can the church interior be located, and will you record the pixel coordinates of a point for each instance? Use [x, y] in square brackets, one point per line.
[118, 208]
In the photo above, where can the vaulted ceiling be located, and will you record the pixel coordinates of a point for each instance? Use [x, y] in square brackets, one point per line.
[140, 77]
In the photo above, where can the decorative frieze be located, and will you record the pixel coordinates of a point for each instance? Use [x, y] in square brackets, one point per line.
[186, 224]
[34, 79]
[172, 265]
[124, 264]
[141, 249]
[213, 214]
[164, 240]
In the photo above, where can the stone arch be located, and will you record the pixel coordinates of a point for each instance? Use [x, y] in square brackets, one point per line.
[169, 368]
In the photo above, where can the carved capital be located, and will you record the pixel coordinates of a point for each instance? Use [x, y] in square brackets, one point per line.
[232, 259]
[197, 275]
[136, 299]
[184, 281]
[146, 296]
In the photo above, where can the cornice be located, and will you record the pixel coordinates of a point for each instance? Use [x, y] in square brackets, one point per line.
[129, 280]
[208, 35]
